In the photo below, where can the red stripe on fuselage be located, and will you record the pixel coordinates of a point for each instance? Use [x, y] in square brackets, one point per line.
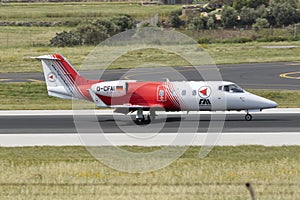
[143, 94]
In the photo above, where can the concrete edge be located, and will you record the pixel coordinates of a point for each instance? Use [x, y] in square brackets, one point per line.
[117, 139]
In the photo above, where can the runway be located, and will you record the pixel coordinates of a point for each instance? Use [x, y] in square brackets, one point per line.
[40, 122]
[275, 127]
[276, 75]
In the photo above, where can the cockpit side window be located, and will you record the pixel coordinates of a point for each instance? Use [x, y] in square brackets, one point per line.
[226, 88]
[233, 89]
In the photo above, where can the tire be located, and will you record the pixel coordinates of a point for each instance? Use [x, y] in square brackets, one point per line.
[248, 117]
[140, 121]
[148, 120]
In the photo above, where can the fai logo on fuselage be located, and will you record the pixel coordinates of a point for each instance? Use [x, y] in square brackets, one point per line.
[204, 102]
[204, 92]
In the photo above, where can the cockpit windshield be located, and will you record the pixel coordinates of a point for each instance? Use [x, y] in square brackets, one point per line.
[232, 88]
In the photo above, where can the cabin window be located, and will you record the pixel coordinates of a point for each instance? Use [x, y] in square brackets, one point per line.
[220, 87]
[194, 92]
[183, 92]
[173, 93]
[161, 93]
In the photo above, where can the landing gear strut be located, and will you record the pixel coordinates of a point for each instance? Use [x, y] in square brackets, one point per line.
[248, 117]
[140, 118]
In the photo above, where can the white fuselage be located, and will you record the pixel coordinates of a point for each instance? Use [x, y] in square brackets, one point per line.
[217, 95]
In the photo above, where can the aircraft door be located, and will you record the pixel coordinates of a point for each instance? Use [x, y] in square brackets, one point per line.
[161, 93]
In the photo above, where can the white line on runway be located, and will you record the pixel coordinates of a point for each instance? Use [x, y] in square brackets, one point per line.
[163, 139]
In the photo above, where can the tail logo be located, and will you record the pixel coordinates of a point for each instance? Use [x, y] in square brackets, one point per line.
[51, 77]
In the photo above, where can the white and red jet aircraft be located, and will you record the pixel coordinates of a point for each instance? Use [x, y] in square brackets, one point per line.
[126, 96]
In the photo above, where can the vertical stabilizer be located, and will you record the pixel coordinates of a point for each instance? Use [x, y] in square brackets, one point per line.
[61, 78]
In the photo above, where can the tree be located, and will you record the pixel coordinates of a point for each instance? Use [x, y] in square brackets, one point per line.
[124, 22]
[261, 11]
[198, 23]
[248, 16]
[260, 23]
[239, 4]
[229, 16]
[293, 3]
[257, 3]
[211, 22]
[284, 13]
[225, 2]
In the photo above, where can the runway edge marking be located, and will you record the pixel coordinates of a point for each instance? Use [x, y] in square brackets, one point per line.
[226, 139]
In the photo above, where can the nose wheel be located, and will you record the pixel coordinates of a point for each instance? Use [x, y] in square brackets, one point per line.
[248, 117]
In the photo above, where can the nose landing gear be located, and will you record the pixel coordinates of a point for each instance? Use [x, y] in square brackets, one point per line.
[248, 117]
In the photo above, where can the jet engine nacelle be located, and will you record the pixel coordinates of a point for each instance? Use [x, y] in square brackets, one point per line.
[111, 88]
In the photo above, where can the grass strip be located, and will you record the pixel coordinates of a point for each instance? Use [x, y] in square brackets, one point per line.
[64, 172]
[72, 11]
[17, 59]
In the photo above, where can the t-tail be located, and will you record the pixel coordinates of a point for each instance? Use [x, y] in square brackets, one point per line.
[62, 79]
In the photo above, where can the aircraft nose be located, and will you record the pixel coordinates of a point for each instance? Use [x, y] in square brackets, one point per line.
[270, 104]
[273, 104]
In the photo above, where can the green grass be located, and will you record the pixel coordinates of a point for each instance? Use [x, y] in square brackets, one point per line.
[79, 11]
[71, 172]
[16, 59]
[23, 37]
[253, 52]
[29, 96]
[26, 96]
[284, 98]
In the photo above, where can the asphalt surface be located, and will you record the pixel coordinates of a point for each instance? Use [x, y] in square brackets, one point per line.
[278, 75]
[269, 123]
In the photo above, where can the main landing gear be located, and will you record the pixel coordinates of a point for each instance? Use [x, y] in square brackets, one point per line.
[248, 117]
[141, 119]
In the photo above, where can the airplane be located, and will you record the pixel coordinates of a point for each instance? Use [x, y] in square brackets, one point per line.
[127, 96]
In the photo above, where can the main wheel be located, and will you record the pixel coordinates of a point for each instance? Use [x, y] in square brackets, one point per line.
[148, 119]
[248, 117]
[152, 115]
[140, 121]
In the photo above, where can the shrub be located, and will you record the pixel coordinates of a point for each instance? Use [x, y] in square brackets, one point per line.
[204, 40]
[93, 32]
[174, 18]
[260, 23]
[65, 38]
